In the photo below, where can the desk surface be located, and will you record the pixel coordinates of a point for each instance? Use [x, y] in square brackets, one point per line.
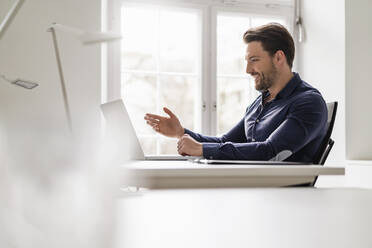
[271, 217]
[184, 174]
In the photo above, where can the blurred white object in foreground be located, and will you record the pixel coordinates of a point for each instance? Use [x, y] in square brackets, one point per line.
[55, 191]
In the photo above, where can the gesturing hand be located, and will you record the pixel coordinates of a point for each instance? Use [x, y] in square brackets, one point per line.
[168, 126]
[188, 146]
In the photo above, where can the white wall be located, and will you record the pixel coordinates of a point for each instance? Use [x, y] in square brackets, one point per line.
[321, 60]
[358, 79]
[336, 58]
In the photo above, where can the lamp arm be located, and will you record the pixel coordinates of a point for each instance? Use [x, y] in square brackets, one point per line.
[9, 16]
[61, 77]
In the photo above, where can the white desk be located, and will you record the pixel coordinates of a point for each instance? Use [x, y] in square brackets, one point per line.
[257, 218]
[183, 174]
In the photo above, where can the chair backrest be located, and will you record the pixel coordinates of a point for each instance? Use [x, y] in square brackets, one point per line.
[327, 143]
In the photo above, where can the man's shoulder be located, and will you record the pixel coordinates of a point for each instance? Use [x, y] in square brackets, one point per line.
[306, 92]
[308, 100]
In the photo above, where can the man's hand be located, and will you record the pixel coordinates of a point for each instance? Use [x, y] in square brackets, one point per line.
[168, 126]
[188, 146]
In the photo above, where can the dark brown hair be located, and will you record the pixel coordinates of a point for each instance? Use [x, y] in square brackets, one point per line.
[273, 37]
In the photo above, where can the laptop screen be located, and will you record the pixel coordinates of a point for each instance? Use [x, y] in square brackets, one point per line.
[124, 144]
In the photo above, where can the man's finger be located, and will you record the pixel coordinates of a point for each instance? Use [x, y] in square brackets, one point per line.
[180, 143]
[153, 124]
[152, 121]
[185, 136]
[182, 140]
[166, 110]
[180, 149]
[148, 118]
[182, 153]
[157, 117]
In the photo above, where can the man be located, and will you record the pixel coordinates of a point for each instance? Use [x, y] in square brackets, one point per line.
[286, 122]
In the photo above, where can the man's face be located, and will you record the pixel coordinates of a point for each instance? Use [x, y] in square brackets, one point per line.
[260, 66]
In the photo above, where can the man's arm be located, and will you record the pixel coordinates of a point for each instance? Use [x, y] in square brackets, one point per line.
[190, 142]
[236, 134]
[171, 127]
[306, 118]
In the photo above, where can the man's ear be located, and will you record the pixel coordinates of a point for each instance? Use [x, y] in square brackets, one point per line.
[279, 57]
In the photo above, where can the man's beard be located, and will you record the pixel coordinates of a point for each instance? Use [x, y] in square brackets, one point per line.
[266, 79]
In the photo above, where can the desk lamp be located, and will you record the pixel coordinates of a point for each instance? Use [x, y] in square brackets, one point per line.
[86, 38]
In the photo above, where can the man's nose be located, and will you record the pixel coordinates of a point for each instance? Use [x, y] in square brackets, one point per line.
[248, 68]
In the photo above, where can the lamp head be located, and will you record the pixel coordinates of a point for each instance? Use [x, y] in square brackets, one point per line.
[94, 38]
[85, 37]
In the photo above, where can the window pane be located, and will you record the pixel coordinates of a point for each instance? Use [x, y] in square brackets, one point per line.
[160, 67]
[234, 96]
[230, 45]
[178, 41]
[139, 29]
[258, 21]
[139, 95]
[177, 93]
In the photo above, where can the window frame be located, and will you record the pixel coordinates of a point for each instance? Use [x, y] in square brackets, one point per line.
[207, 98]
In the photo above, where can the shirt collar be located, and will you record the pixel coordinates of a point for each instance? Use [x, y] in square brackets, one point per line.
[287, 90]
[290, 86]
[264, 95]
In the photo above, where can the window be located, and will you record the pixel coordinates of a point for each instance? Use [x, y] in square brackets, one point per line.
[188, 57]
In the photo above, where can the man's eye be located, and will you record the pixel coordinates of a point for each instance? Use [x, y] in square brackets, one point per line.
[254, 60]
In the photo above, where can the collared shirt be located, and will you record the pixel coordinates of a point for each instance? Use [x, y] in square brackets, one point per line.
[290, 127]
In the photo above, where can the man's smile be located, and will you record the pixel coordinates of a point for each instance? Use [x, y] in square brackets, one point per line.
[256, 77]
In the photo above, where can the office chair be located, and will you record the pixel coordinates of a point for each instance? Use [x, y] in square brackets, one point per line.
[327, 143]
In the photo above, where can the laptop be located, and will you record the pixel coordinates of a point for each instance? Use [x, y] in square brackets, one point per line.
[122, 135]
